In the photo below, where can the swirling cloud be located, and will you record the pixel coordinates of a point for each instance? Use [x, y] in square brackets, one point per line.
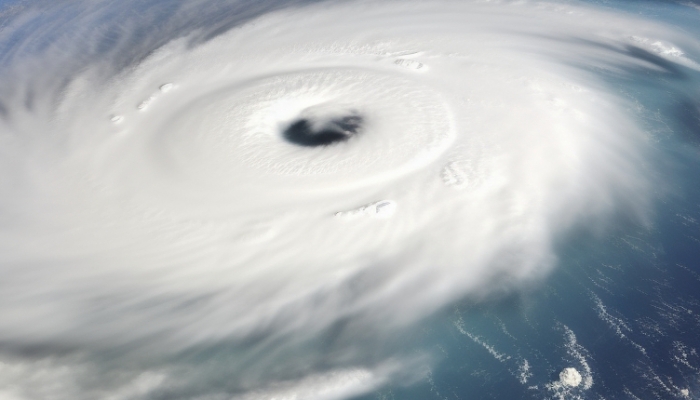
[289, 186]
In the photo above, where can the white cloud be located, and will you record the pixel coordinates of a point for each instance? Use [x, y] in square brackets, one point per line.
[188, 221]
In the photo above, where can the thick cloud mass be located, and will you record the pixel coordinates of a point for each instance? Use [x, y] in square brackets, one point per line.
[236, 209]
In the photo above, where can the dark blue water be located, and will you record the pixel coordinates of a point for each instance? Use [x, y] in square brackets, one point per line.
[623, 309]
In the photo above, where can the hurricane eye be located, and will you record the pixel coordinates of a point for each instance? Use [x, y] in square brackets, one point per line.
[310, 132]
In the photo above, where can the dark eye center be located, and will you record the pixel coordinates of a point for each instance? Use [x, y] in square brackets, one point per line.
[312, 133]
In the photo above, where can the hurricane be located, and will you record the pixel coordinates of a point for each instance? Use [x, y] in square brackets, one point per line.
[333, 199]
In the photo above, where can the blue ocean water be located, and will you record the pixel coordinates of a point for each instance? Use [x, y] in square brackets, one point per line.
[623, 309]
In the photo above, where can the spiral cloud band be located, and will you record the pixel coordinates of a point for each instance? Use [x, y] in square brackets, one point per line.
[281, 197]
